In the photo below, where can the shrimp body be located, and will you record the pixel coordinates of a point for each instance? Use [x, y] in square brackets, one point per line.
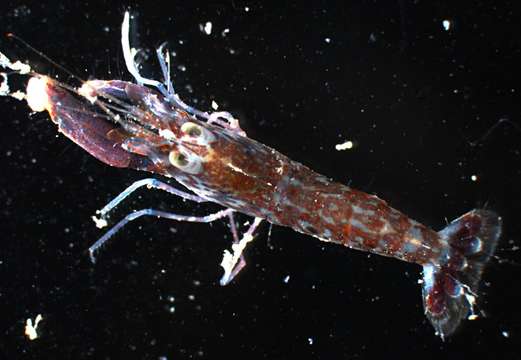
[249, 177]
[135, 126]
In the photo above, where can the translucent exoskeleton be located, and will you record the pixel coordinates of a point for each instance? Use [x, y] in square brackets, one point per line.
[146, 126]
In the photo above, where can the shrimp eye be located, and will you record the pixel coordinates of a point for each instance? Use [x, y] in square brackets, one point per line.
[178, 159]
[198, 134]
[191, 129]
[186, 163]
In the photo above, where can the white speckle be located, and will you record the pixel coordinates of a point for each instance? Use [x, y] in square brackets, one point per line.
[327, 40]
[4, 88]
[474, 178]
[30, 329]
[344, 146]
[37, 97]
[171, 309]
[310, 341]
[225, 32]
[505, 333]
[286, 279]
[191, 297]
[446, 25]
[167, 134]
[207, 28]
[182, 68]
[472, 317]
[171, 299]
[247, 9]
[100, 222]
[214, 105]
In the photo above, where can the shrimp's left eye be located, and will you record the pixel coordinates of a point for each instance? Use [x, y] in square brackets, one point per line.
[187, 163]
[198, 133]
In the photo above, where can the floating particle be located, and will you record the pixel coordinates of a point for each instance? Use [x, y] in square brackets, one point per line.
[446, 24]
[225, 32]
[344, 146]
[30, 329]
[286, 279]
[215, 106]
[100, 223]
[505, 333]
[474, 178]
[207, 28]
[310, 341]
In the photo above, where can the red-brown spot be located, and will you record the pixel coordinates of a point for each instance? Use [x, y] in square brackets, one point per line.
[346, 231]
[393, 243]
[370, 242]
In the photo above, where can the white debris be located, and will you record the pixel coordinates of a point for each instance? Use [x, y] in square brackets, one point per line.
[18, 95]
[37, 97]
[4, 87]
[446, 24]
[474, 178]
[215, 106]
[286, 279]
[100, 222]
[17, 66]
[88, 92]
[30, 329]
[327, 40]
[207, 28]
[505, 333]
[225, 32]
[230, 260]
[344, 146]
[310, 341]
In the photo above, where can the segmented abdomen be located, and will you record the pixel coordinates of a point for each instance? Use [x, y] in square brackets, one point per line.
[311, 204]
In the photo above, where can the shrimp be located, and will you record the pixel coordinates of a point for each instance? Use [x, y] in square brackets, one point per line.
[146, 126]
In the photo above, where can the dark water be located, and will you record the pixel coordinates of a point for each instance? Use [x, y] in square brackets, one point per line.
[427, 108]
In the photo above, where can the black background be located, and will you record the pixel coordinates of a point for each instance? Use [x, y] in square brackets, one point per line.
[423, 105]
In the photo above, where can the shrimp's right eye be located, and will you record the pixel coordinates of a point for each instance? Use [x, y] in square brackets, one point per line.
[196, 133]
[191, 129]
[184, 162]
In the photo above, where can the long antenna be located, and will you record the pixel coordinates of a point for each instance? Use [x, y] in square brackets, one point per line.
[40, 53]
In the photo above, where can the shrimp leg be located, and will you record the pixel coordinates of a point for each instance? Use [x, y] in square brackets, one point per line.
[157, 213]
[229, 121]
[150, 183]
[234, 263]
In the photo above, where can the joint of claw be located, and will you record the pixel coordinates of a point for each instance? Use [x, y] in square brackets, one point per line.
[91, 256]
